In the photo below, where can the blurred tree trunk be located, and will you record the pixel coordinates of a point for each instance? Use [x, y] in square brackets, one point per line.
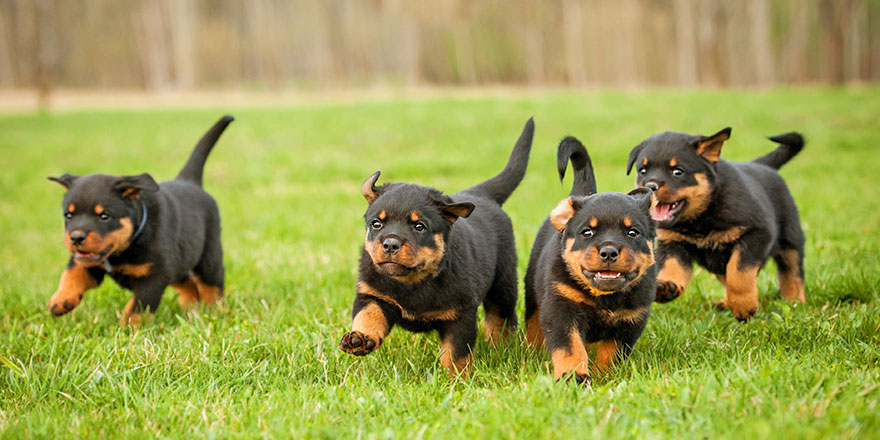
[534, 43]
[794, 54]
[183, 26]
[627, 14]
[260, 55]
[686, 43]
[873, 43]
[711, 25]
[150, 32]
[855, 37]
[758, 12]
[7, 74]
[832, 13]
[572, 22]
[466, 71]
[406, 42]
[46, 55]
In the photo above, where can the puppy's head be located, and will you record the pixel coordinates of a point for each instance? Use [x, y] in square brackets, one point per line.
[680, 168]
[607, 238]
[408, 227]
[101, 213]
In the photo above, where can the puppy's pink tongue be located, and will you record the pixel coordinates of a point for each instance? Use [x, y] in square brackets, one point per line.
[661, 212]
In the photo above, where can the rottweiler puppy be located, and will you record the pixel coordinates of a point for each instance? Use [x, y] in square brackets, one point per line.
[728, 217]
[145, 235]
[591, 276]
[431, 259]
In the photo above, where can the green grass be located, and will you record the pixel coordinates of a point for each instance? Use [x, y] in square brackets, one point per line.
[287, 181]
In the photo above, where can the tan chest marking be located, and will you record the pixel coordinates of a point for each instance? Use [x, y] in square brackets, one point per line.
[712, 240]
[435, 315]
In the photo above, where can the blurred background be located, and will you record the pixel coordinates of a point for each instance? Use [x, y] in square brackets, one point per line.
[274, 45]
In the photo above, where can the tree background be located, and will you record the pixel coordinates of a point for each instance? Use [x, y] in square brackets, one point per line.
[161, 45]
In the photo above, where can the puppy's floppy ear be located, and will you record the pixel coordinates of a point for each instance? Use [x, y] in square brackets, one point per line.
[455, 210]
[633, 155]
[710, 146]
[564, 211]
[131, 186]
[368, 189]
[64, 180]
[646, 198]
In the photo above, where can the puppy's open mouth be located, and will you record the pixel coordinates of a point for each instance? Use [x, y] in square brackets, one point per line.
[92, 256]
[666, 211]
[607, 280]
[395, 269]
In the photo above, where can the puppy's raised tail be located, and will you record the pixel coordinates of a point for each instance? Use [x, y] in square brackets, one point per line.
[500, 187]
[192, 171]
[790, 144]
[572, 149]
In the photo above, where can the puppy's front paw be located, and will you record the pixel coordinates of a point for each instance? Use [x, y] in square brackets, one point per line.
[581, 379]
[357, 343]
[667, 291]
[742, 314]
[61, 304]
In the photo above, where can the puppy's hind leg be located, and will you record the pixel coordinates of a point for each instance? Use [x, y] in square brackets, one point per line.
[209, 272]
[147, 296]
[790, 260]
[500, 302]
[790, 274]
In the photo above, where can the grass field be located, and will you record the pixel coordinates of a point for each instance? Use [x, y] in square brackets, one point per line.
[266, 363]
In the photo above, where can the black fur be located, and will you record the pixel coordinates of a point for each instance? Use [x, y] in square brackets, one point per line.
[471, 240]
[590, 306]
[147, 236]
[584, 183]
[790, 145]
[747, 210]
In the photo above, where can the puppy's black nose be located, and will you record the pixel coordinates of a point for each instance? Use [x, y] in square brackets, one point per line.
[391, 245]
[652, 186]
[609, 254]
[77, 237]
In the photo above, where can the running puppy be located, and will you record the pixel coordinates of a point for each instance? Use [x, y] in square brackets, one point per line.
[145, 235]
[728, 217]
[591, 275]
[430, 259]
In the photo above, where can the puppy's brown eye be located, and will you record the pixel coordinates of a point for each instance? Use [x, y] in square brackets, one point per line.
[104, 216]
[677, 172]
[420, 227]
[632, 233]
[587, 233]
[68, 215]
[376, 224]
[643, 170]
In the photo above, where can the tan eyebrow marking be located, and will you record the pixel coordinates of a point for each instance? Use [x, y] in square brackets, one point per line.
[71, 208]
[414, 216]
[99, 209]
[382, 215]
[645, 161]
[673, 162]
[594, 222]
[627, 222]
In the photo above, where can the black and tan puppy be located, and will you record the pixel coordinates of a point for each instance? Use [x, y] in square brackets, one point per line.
[145, 235]
[431, 259]
[728, 217]
[591, 276]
